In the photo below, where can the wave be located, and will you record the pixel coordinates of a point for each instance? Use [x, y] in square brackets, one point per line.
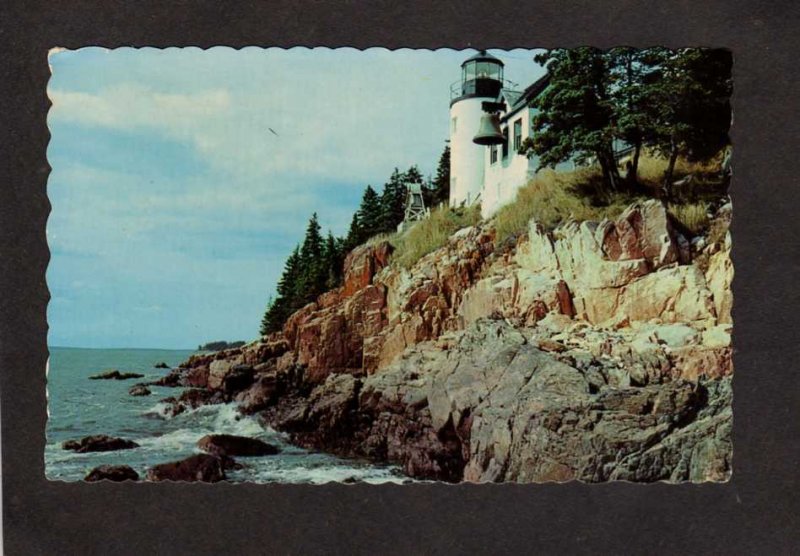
[208, 419]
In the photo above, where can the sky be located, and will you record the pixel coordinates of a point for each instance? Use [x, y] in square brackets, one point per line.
[174, 206]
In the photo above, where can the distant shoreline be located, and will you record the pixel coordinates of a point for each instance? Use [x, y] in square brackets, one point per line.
[124, 348]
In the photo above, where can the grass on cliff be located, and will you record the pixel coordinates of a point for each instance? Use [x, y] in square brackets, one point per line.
[692, 217]
[432, 233]
[554, 197]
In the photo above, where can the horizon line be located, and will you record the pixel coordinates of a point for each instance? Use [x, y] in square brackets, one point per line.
[123, 348]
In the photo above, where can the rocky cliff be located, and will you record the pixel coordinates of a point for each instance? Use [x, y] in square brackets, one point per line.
[597, 351]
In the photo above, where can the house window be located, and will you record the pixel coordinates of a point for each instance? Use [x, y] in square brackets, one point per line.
[505, 143]
[453, 124]
[493, 154]
[517, 135]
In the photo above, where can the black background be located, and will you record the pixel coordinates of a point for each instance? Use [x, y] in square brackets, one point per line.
[755, 513]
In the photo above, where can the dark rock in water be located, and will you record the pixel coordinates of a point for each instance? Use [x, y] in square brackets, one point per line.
[99, 443]
[192, 399]
[139, 390]
[116, 473]
[114, 375]
[352, 481]
[230, 445]
[200, 467]
[161, 365]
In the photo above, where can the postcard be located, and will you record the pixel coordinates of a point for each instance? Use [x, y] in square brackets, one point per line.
[315, 265]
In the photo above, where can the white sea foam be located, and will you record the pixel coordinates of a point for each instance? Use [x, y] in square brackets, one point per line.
[176, 440]
[335, 473]
[159, 410]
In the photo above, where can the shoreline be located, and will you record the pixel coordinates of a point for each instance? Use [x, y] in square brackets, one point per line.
[502, 363]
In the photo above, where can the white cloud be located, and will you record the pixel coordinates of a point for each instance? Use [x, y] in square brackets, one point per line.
[206, 243]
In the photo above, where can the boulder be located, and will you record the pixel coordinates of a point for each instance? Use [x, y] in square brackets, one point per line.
[99, 443]
[139, 390]
[114, 375]
[161, 365]
[260, 395]
[116, 473]
[192, 399]
[200, 467]
[229, 445]
[642, 231]
[229, 375]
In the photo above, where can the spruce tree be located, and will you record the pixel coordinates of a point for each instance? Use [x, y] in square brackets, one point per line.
[289, 293]
[287, 299]
[441, 182]
[690, 90]
[574, 118]
[332, 255]
[313, 273]
[393, 202]
[355, 234]
[370, 214]
[631, 99]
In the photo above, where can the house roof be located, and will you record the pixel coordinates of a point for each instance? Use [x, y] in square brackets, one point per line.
[510, 96]
[525, 97]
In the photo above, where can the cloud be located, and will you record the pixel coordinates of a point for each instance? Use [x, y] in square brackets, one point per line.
[132, 106]
[335, 117]
[169, 190]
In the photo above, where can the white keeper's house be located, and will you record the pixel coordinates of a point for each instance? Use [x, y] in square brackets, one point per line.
[489, 120]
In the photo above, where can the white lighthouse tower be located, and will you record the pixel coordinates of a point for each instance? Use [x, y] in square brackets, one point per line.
[481, 81]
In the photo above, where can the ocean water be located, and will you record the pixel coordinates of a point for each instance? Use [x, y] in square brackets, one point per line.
[79, 407]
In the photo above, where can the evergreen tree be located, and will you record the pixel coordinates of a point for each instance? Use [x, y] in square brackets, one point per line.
[290, 295]
[440, 185]
[690, 91]
[574, 118]
[332, 255]
[287, 299]
[393, 202]
[312, 244]
[313, 272]
[370, 214]
[630, 72]
[355, 235]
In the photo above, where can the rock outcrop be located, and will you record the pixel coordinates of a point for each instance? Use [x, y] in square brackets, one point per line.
[139, 390]
[223, 445]
[596, 351]
[99, 443]
[198, 468]
[115, 473]
[114, 375]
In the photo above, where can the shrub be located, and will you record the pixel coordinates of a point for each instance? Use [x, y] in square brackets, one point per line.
[432, 233]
